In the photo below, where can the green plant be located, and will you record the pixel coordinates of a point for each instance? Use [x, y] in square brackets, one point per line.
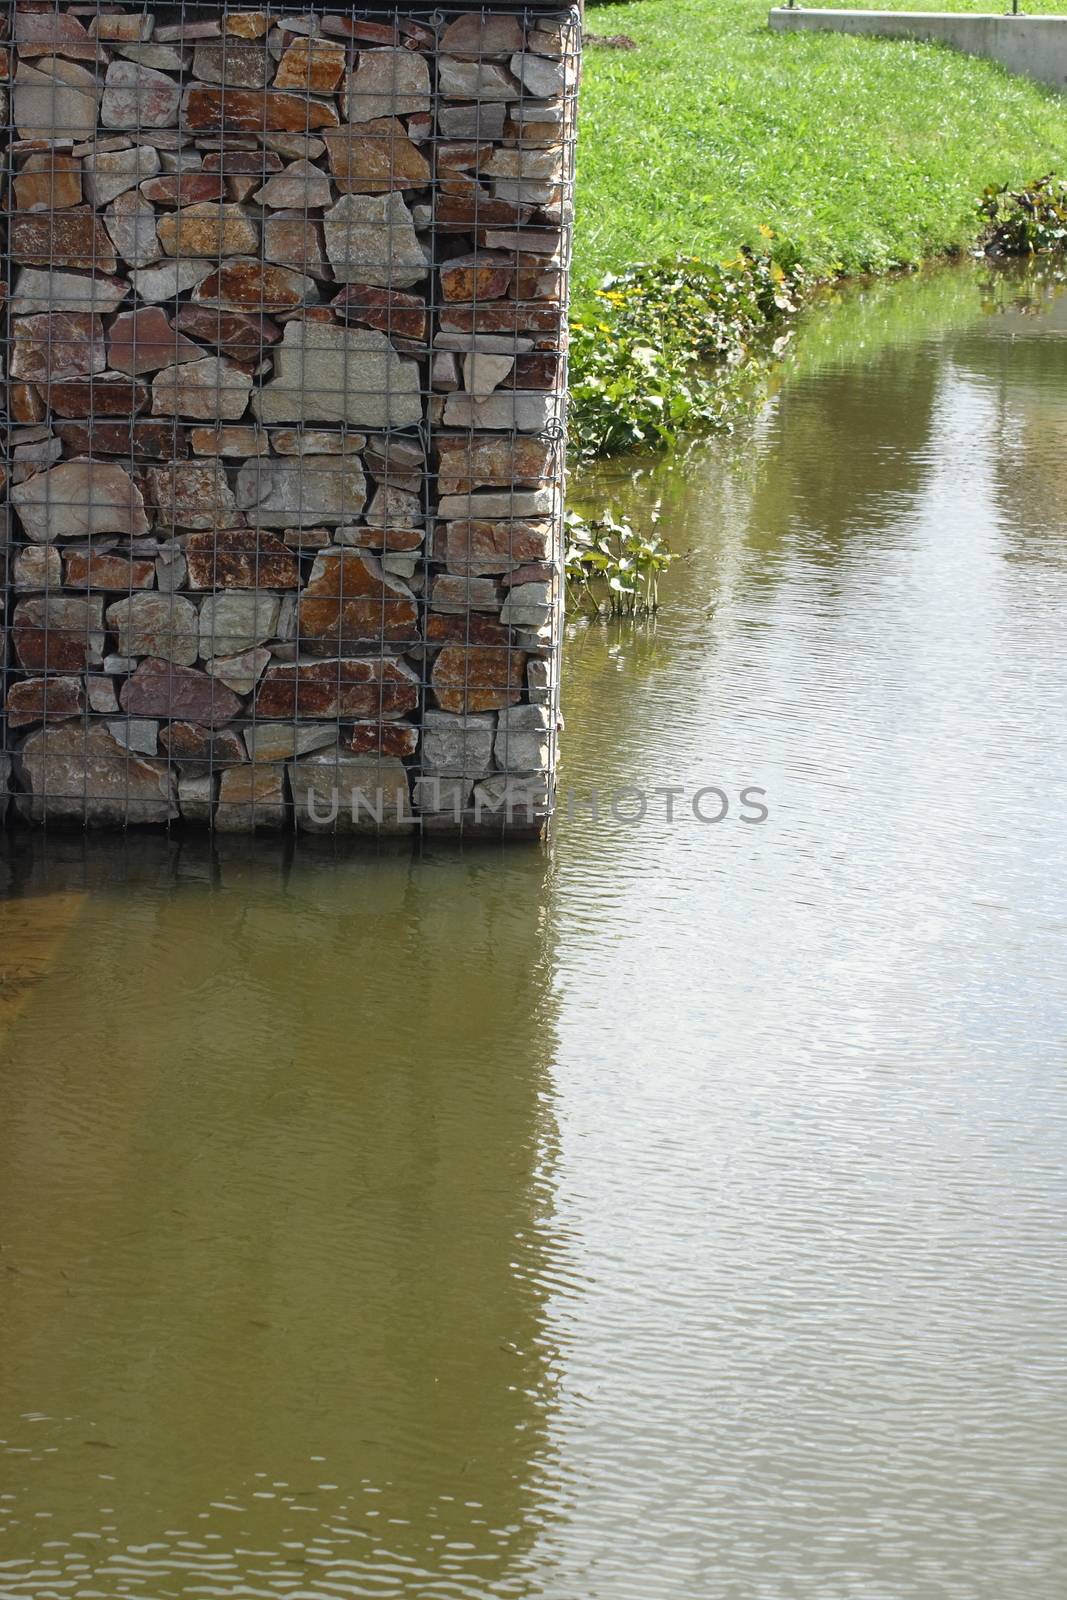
[638, 372]
[1025, 222]
[611, 569]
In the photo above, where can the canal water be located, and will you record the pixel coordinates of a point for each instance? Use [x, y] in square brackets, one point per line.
[673, 1214]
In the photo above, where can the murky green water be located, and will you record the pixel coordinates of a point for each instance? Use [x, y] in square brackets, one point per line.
[673, 1215]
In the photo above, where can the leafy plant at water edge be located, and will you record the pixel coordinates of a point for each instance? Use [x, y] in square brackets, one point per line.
[612, 569]
[1025, 222]
[636, 378]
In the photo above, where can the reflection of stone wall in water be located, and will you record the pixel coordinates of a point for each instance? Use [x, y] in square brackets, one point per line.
[285, 379]
[262, 1237]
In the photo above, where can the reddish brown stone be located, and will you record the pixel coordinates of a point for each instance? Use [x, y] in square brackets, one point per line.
[315, 66]
[232, 110]
[240, 558]
[183, 188]
[243, 339]
[251, 286]
[161, 689]
[144, 341]
[375, 157]
[476, 460]
[537, 371]
[44, 700]
[108, 399]
[397, 540]
[449, 627]
[57, 633]
[25, 403]
[246, 24]
[364, 688]
[50, 181]
[57, 345]
[191, 741]
[491, 546]
[234, 162]
[399, 739]
[208, 230]
[388, 309]
[455, 156]
[95, 570]
[72, 238]
[477, 678]
[485, 275]
[537, 321]
[538, 572]
[349, 602]
[461, 213]
[158, 441]
[362, 29]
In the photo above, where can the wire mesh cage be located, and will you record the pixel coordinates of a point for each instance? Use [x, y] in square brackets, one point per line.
[285, 361]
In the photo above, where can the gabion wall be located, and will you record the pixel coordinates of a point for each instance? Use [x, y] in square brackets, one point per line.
[285, 361]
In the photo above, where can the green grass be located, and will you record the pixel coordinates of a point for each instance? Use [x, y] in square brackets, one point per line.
[860, 154]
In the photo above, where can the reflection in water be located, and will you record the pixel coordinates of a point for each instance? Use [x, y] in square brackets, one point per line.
[274, 1227]
[673, 1215]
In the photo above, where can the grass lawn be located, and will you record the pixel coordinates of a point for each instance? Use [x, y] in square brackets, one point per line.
[859, 154]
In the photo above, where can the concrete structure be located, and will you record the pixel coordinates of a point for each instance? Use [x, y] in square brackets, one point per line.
[1034, 47]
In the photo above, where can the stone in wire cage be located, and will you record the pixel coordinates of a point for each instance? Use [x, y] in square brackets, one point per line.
[284, 350]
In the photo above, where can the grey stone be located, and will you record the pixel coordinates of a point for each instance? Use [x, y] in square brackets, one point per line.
[161, 57]
[240, 673]
[159, 625]
[137, 96]
[540, 681]
[83, 774]
[525, 410]
[388, 83]
[479, 122]
[394, 508]
[290, 239]
[50, 103]
[325, 373]
[458, 594]
[170, 279]
[508, 163]
[442, 795]
[539, 75]
[528, 605]
[370, 238]
[238, 63]
[193, 494]
[301, 493]
[37, 567]
[334, 792]
[236, 620]
[523, 739]
[207, 389]
[475, 80]
[37, 290]
[486, 505]
[139, 734]
[483, 372]
[196, 796]
[460, 746]
[101, 693]
[301, 186]
[109, 173]
[131, 224]
[78, 498]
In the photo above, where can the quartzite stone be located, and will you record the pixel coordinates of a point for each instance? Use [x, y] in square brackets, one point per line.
[131, 226]
[106, 396]
[222, 441]
[93, 569]
[198, 746]
[487, 504]
[290, 239]
[469, 678]
[523, 739]
[122, 27]
[156, 441]
[211, 387]
[239, 66]
[375, 157]
[315, 66]
[66, 344]
[59, 633]
[169, 280]
[164, 689]
[371, 239]
[378, 687]
[243, 339]
[476, 36]
[47, 105]
[183, 188]
[61, 239]
[208, 229]
[250, 798]
[246, 24]
[484, 275]
[53, 33]
[458, 746]
[387, 83]
[137, 97]
[475, 80]
[49, 181]
[79, 498]
[349, 602]
[44, 700]
[282, 741]
[240, 558]
[251, 286]
[83, 774]
[109, 173]
[239, 673]
[143, 341]
[484, 547]
[38, 567]
[236, 110]
[300, 186]
[301, 493]
[334, 792]
[539, 75]
[192, 494]
[391, 310]
[476, 460]
[326, 373]
[234, 620]
[398, 739]
[483, 122]
[161, 625]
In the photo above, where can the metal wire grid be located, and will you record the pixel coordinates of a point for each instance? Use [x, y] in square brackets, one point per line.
[241, 638]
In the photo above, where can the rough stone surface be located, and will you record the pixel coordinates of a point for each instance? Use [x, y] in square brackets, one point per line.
[458, 746]
[131, 225]
[326, 373]
[208, 229]
[78, 498]
[334, 791]
[377, 687]
[240, 558]
[138, 97]
[164, 689]
[315, 66]
[523, 739]
[58, 633]
[349, 602]
[144, 341]
[109, 173]
[232, 622]
[192, 494]
[302, 493]
[62, 344]
[155, 625]
[44, 700]
[300, 186]
[42, 291]
[211, 387]
[76, 774]
[371, 239]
